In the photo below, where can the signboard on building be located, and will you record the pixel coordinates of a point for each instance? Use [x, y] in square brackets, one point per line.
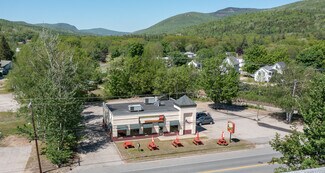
[152, 119]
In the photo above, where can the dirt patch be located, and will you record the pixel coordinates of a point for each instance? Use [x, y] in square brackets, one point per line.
[14, 141]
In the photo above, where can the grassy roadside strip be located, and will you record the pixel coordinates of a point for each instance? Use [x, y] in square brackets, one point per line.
[166, 150]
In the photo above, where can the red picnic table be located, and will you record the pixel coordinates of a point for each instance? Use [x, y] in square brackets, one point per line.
[197, 140]
[176, 142]
[128, 144]
[152, 146]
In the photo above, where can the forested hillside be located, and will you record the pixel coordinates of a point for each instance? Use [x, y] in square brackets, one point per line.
[177, 23]
[303, 18]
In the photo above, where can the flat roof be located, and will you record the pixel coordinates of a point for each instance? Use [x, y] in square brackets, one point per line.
[120, 109]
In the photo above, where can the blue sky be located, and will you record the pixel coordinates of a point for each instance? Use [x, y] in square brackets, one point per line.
[120, 15]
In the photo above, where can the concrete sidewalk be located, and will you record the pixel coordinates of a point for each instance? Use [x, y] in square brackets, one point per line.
[14, 159]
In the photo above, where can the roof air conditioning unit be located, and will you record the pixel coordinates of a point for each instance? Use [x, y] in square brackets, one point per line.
[149, 100]
[135, 108]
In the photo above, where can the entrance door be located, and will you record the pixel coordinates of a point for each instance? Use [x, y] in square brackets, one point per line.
[161, 131]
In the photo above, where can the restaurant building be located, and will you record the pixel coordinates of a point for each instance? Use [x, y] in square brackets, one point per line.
[152, 117]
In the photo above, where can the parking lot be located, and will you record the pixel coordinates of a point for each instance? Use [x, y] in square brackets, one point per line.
[259, 132]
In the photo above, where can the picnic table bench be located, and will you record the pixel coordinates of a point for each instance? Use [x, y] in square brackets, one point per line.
[197, 141]
[152, 146]
[177, 143]
[128, 144]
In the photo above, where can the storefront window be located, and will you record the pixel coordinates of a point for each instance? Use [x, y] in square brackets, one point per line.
[174, 126]
[147, 129]
[134, 129]
[122, 130]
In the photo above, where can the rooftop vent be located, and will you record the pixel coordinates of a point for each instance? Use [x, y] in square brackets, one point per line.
[135, 108]
[149, 100]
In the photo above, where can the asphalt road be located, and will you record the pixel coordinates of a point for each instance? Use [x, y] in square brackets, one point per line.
[249, 161]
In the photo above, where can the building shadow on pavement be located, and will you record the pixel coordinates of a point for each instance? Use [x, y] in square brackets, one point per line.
[200, 129]
[273, 127]
[253, 118]
[221, 106]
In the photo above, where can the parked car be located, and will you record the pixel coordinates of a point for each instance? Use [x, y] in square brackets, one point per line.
[201, 114]
[204, 120]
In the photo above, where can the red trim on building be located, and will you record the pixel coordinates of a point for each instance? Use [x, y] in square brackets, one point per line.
[187, 132]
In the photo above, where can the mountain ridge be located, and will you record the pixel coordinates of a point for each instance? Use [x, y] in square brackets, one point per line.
[178, 22]
[65, 27]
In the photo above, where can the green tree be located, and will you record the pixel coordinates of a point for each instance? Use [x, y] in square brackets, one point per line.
[219, 81]
[255, 56]
[136, 49]
[303, 150]
[205, 53]
[153, 50]
[313, 56]
[5, 52]
[292, 83]
[175, 80]
[178, 58]
[53, 79]
[278, 55]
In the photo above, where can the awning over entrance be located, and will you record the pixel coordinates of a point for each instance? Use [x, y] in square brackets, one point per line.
[174, 123]
[135, 126]
[148, 125]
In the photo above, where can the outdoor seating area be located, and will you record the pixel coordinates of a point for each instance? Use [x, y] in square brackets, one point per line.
[197, 140]
[128, 144]
[176, 143]
[152, 145]
[147, 149]
[222, 141]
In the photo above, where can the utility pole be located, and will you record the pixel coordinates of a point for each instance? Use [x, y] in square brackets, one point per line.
[35, 137]
[258, 108]
[293, 96]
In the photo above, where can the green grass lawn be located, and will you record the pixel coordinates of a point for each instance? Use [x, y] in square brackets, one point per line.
[167, 150]
[9, 122]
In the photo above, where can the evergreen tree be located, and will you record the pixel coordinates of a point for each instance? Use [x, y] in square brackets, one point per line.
[5, 52]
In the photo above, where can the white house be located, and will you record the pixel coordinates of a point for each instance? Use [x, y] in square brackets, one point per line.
[279, 67]
[232, 62]
[190, 54]
[194, 64]
[152, 117]
[241, 64]
[264, 74]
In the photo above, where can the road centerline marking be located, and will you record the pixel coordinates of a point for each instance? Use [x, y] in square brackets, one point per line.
[235, 168]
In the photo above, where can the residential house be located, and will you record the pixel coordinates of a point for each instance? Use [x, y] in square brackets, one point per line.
[190, 54]
[232, 62]
[5, 66]
[279, 67]
[195, 64]
[264, 74]
[241, 65]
